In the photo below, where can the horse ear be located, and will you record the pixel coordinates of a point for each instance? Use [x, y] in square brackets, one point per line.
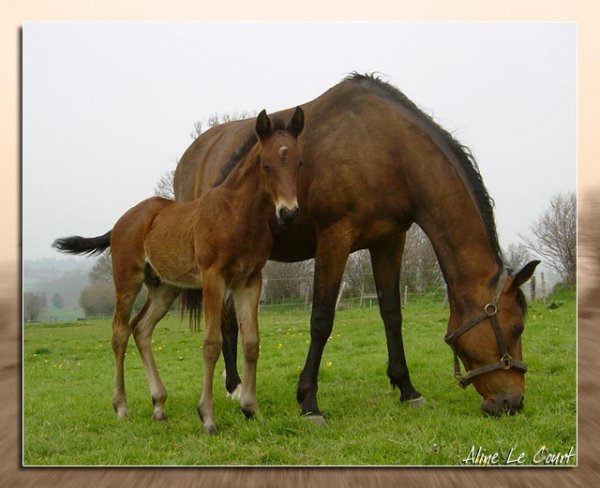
[263, 125]
[525, 273]
[296, 123]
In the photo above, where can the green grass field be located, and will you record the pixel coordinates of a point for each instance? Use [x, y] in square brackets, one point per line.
[69, 420]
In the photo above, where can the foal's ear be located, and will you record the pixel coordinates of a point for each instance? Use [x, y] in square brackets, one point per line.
[263, 125]
[296, 123]
[525, 273]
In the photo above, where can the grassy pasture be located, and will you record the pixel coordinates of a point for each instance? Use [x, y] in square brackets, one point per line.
[68, 380]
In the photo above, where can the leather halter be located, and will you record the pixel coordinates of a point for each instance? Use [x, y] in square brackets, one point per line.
[506, 361]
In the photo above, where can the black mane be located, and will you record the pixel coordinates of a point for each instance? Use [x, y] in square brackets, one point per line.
[463, 154]
[239, 154]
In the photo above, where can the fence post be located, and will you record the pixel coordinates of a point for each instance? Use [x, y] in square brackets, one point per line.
[405, 294]
[532, 288]
[337, 302]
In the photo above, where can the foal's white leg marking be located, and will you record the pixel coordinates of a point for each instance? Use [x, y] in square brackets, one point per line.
[246, 308]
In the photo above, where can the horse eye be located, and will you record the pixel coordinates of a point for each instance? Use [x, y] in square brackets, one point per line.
[300, 163]
[266, 168]
[518, 329]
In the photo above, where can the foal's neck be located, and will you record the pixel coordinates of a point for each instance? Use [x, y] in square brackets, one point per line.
[248, 185]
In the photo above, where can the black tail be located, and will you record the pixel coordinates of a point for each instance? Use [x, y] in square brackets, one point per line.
[191, 300]
[83, 245]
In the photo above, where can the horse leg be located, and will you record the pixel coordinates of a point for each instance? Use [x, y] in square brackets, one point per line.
[229, 330]
[160, 299]
[246, 306]
[213, 291]
[126, 291]
[333, 248]
[386, 260]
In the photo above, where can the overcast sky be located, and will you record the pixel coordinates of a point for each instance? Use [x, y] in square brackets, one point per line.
[108, 108]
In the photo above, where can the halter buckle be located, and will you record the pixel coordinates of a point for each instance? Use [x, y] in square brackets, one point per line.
[506, 361]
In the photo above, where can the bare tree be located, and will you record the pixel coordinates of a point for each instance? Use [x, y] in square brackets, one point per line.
[555, 236]
[287, 280]
[33, 303]
[420, 268]
[164, 187]
[516, 256]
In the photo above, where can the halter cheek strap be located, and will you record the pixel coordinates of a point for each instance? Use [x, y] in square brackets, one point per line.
[506, 361]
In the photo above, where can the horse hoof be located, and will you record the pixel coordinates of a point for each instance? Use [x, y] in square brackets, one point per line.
[159, 416]
[210, 430]
[249, 414]
[235, 394]
[315, 419]
[415, 402]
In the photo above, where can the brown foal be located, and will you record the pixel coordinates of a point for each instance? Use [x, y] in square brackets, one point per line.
[218, 243]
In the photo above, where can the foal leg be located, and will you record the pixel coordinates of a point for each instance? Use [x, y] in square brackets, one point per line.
[246, 306]
[213, 291]
[160, 299]
[127, 289]
[333, 248]
[229, 329]
[386, 260]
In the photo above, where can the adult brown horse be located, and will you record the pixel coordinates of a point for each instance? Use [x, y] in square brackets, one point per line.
[218, 243]
[374, 164]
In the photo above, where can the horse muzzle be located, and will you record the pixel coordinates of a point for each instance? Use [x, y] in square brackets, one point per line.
[504, 404]
[286, 215]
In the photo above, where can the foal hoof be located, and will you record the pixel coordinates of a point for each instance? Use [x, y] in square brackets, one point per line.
[210, 429]
[249, 414]
[159, 416]
[414, 402]
[315, 419]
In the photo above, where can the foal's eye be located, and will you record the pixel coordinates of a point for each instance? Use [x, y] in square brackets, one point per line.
[518, 329]
[266, 168]
[300, 163]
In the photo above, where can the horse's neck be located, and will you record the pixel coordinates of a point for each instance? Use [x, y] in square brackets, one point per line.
[461, 241]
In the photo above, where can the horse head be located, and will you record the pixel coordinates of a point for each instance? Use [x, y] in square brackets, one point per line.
[281, 160]
[488, 341]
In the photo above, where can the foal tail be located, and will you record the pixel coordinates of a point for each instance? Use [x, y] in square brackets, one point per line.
[83, 245]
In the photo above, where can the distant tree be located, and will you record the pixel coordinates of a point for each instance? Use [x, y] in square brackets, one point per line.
[164, 187]
[358, 274]
[555, 236]
[98, 299]
[286, 280]
[516, 256]
[57, 300]
[33, 303]
[420, 268]
[102, 270]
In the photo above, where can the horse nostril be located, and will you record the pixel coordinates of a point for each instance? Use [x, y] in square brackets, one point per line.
[287, 215]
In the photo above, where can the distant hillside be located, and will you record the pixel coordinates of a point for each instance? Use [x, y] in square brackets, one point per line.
[66, 276]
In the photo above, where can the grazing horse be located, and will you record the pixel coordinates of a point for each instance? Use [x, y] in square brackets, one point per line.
[375, 164]
[218, 243]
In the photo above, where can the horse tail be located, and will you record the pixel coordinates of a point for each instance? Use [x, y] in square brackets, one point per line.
[83, 245]
[191, 300]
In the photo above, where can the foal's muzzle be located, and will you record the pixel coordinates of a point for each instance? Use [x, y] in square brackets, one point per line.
[286, 216]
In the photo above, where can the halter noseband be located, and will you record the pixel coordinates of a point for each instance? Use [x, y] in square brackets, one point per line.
[506, 361]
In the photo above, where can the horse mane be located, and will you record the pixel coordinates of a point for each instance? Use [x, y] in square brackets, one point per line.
[242, 151]
[463, 154]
